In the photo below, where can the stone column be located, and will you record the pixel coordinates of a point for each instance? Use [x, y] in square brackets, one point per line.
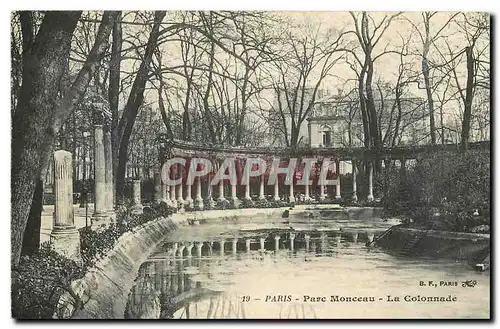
[189, 249]
[164, 192]
[234, 199]
[292, 238]
[209, 201]
[323, 242]
[247, 245]
[261, 188]
[370, 181]
[199, 199]
[189, 199]
[221, 243]
[199, 246]
[276, 190]
[276, 242]
[354, 182]
[100, 216]
[180, 252]
[307, 197]
[175, 246]
[403, 164]
[137, 202]
[210, 247]
[234, 246]
[338, 239]
[247, 192]
[64, 237]
[173, 199]
[262, 240]
[307, 237]
[291, 197]
[322, 196]
[180, 199]
[108, 176]
[157, 186]
[221, 191]
[337, 186]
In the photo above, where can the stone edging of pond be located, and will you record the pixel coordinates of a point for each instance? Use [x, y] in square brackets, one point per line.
[105, 287]
[473, 247]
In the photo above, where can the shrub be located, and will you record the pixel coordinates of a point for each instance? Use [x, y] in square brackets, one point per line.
[442, 190]
[38, 282]
[41, 278]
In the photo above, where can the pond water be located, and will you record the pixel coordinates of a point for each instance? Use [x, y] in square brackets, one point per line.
[321, 269]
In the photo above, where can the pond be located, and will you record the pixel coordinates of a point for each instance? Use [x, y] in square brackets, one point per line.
[299, 269]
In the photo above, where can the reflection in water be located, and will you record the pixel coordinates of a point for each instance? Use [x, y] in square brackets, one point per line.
[268, 273]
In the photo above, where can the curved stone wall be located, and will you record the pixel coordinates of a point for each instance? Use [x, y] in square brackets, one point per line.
[473, 247]
[105, 287]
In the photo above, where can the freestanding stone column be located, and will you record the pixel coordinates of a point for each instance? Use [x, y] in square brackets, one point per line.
[370, 182]
[247, 245]
[64, 237]
[100, 216]
[262, 240]
[137, 202]
[291, 197]
[337, 186]
[354, 182]
[108, 176]
[261, 188]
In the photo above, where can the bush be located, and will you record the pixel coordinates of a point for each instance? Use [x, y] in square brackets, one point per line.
[41, 278]
[95, 244]
[442, 190]
[38, 282]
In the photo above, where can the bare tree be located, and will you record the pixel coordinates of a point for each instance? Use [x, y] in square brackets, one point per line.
[38, 118]
[296, 77]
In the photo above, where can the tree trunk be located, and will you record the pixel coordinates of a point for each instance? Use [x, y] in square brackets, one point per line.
[35, 114]
[469, 94]
[114, 90]
[362, 106]
[430, 101]
[134, 101]
[31, 237]
[38, 119]
[428, 87]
